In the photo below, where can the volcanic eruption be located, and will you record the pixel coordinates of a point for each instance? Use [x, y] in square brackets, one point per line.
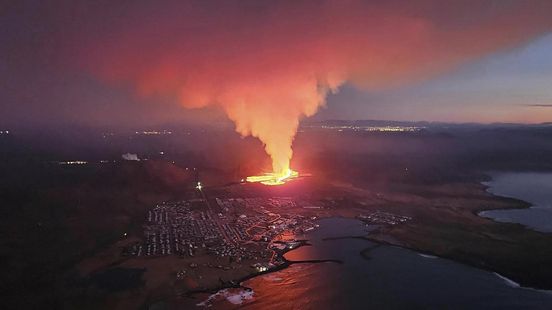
[267, 65]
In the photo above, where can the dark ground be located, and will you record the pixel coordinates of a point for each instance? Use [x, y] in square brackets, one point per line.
[53, 216]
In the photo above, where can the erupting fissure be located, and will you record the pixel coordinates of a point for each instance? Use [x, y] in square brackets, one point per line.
[274, 178]
[268, 65]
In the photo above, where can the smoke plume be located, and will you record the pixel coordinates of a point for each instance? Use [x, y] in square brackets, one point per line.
[267, 65]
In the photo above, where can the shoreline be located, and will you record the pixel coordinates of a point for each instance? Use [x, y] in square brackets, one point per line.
[457, 260]
[525, 206]
[238, 283]
[519, 204]
[431, 255]
[514, 284]
[522, 203]
[522, 283]
[365, 254]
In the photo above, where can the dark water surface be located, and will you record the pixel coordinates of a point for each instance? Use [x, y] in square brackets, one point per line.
[385, 277]
[533, 187]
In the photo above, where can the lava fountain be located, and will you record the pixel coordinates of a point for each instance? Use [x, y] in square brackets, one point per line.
[270, 110]
[274, 178]
[267, 65]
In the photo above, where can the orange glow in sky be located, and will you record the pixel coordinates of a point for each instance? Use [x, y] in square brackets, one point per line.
[267, 65]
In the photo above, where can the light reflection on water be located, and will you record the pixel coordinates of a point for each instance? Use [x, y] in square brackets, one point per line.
[391, 278]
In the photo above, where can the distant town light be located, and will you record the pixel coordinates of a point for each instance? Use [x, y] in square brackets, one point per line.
[76, 162]
[154, 132]
[388, 128]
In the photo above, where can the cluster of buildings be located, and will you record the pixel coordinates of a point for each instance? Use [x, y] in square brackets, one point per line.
[173, 228]
[383, 218]
[233, 228]
[74, 162]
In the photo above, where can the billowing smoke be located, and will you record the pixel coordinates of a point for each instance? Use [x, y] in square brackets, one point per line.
[267, 65]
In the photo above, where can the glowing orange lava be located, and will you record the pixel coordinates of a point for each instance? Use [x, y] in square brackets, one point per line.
[274, 178]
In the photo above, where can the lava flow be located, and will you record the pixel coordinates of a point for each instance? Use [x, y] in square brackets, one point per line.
[273, 178]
